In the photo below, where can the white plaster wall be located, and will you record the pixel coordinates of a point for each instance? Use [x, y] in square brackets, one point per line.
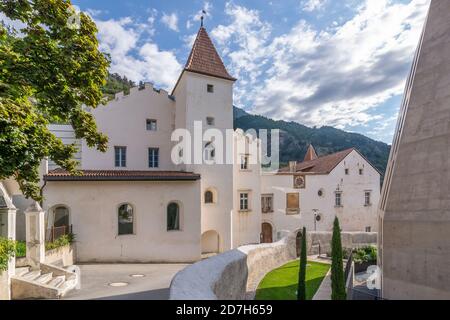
[124, 122]
[67, 135]
[194, 103]
[93, 208]
[353, 216]
[246, 225]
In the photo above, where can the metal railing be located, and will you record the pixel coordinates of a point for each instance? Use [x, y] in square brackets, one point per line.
[54, 233]
[348, 266]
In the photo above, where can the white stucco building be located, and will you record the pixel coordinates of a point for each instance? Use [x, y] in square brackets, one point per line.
[133, 203]
[312, 192]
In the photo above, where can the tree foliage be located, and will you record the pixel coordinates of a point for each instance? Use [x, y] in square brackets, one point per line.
[116, 83]
[48, 71]
[301, 292]
[337, 265]
[7, 251]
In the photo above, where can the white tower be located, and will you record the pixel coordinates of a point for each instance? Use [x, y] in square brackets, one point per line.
[204, 94]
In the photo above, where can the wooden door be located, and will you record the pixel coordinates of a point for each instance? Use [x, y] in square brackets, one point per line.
[266, 233]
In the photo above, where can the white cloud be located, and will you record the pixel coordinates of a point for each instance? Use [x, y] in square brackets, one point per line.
[334, 77]
[194, 19]
[312, 5]
[171, 21]
[250, 35]
[145, 61]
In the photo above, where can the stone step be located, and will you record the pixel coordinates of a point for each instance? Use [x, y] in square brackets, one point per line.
[32, 275]
[44, 278]
[57, 281]
[67, 286]
[21, 271]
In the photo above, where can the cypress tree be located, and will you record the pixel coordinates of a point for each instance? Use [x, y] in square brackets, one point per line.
[337, 266]
[301, 291]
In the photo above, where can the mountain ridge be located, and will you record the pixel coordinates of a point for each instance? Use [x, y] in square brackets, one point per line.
[295, 139]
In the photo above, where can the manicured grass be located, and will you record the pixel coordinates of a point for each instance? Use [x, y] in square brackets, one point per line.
[281, 283]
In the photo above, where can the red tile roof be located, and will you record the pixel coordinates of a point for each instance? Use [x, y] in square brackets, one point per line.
[322, 165]
[204, 58]
[121, 175]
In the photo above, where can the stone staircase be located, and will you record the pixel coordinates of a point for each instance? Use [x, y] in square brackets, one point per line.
[47, 282]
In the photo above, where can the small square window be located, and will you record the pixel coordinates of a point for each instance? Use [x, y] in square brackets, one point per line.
[210, 88]
[347, 171]
[210, 121]
[368, 229]
[151, 125]
[361, 172]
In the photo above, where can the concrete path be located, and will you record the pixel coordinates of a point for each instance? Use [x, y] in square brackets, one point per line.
[96, 280]
[324, 291]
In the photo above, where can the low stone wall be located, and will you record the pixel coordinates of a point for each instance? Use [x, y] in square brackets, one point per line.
[62, 257]
[235, 275]
[350, 240]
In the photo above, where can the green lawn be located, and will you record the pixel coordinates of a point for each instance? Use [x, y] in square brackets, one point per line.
[281, 283]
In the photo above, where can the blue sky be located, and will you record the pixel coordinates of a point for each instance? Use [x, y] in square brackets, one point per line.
[318, 62]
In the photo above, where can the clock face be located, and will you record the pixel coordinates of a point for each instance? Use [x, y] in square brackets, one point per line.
[299, 182]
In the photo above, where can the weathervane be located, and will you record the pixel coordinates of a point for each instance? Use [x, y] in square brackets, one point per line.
[202, 17]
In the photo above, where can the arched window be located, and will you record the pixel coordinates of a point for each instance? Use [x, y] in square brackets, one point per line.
[173, 217]
[126, 219]
[61, 217]
[209, 197]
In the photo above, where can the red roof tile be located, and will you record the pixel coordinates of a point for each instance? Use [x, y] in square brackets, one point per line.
[322, 165]
[204, 58]
[121, 175]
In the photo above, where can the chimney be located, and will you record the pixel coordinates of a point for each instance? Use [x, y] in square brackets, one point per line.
[292, 166]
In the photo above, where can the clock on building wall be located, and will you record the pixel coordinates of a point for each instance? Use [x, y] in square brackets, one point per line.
[299, 182]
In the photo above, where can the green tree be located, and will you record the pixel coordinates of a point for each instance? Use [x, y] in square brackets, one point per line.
[301, 292]
[49, 69]
[337, 266]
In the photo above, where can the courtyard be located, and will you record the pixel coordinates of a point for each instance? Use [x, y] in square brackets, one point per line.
[125, 281]
[282, 283]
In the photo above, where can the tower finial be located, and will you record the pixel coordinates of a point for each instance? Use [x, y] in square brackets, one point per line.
[202, 17]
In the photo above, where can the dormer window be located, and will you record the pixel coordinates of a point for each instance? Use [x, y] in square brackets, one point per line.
[210, 88]
[210, 121]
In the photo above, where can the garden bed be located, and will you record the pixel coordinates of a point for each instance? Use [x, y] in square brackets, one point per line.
[282, 283]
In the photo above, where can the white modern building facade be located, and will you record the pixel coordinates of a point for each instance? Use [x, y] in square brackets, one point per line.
[134, 203]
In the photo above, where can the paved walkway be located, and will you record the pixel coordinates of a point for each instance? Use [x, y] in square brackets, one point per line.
[96, 280]
[324, 291]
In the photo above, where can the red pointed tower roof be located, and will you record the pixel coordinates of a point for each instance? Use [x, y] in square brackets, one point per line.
[204, 58]
[310, 154]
